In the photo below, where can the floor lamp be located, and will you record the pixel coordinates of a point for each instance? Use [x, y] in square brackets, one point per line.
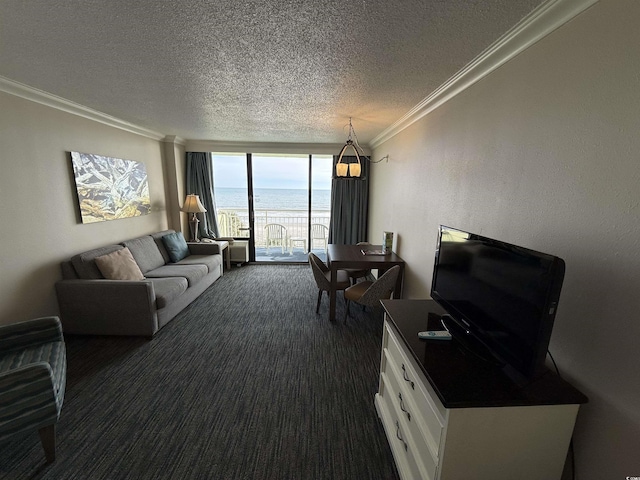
[193, 206]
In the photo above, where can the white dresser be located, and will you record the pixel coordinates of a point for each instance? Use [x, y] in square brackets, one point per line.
[450, 416]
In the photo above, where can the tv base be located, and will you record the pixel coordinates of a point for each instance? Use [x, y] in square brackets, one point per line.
[468, 342]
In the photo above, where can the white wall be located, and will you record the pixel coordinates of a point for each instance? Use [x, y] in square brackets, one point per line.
[545, 153]
[175, 181]
[39, 217]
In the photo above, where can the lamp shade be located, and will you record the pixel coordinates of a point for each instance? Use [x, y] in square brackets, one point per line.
[354, 169]
[192, 204]
[341, 169]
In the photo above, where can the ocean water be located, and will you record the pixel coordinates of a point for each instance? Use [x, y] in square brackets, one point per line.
[273, 198]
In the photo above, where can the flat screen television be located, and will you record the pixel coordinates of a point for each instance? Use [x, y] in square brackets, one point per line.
[500, 297]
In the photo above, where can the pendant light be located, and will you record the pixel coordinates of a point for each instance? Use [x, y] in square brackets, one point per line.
[350, 170]
[353, 170]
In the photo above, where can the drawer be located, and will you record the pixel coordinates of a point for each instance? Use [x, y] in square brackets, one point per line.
[427, 405]
[401, 444]
[427, 436]
[422, 447]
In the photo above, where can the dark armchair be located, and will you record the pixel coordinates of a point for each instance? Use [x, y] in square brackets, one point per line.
[33, 375]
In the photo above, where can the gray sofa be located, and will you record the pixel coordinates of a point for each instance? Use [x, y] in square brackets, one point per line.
[92, 305]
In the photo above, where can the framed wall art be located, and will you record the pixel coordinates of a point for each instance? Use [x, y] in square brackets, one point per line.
[110, 188]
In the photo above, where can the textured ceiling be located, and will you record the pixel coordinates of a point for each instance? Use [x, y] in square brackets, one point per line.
[252, 71]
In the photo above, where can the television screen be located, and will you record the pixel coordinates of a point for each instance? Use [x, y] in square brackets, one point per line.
[503, 295]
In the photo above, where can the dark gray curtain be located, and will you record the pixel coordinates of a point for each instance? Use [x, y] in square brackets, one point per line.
[200, 182]
[349, 206]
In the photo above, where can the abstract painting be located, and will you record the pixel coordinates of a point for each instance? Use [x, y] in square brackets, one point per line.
[110, 188]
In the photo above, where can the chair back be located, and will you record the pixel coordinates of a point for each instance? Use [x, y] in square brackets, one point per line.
[319, 231]
[319, 269]
[275, 231]
[381, 288]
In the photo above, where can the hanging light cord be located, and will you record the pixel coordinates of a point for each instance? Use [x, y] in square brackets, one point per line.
[357, 144]
[386, 157]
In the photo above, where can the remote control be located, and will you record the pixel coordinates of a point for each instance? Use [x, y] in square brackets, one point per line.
[435, 335]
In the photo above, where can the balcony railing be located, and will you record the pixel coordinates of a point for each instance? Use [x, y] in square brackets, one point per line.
[235, 223]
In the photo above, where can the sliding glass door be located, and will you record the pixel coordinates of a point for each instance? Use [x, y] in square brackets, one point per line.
[321, 169]
[281, 206]
[278, 203]
[231, 192]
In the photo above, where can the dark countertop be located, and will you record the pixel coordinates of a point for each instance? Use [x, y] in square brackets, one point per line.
[459, 376]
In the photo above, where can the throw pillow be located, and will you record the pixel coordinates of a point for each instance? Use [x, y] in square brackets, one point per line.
[176, 246]
[119, 265]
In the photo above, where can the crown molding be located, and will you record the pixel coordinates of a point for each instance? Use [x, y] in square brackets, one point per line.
[538, 24]
[174, 139]
[39, 96]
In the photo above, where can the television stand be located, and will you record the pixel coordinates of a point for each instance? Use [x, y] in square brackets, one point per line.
[449, 416]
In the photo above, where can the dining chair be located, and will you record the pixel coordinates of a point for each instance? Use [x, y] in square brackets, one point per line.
[276, 235]
[369, 293]
[322, 276]
[320, 233]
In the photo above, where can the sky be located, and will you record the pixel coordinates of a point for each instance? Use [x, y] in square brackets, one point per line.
[272, 171]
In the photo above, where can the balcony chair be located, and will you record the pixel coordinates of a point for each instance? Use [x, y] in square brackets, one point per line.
[369, 294]
[322, 275]
[33, 376]
[276, 235]
[321, 233]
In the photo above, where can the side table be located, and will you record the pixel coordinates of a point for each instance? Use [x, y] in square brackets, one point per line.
[239, 251]
[297, 241]
[224, 249]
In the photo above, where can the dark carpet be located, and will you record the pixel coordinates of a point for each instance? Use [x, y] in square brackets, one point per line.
[246, 383]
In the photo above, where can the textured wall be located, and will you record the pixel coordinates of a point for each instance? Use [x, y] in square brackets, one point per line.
[38, 204]
[544, 153]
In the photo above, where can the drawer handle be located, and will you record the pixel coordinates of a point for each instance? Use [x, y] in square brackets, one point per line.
[399, 437]
[406, 378]
[402, 407]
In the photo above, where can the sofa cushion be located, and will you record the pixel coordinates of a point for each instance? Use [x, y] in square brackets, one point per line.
[85, 265]
[119, 265]
[146, 253]
[176, 246]
[167, 289]
[193, 273]
[157, 237]
[213, 262]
